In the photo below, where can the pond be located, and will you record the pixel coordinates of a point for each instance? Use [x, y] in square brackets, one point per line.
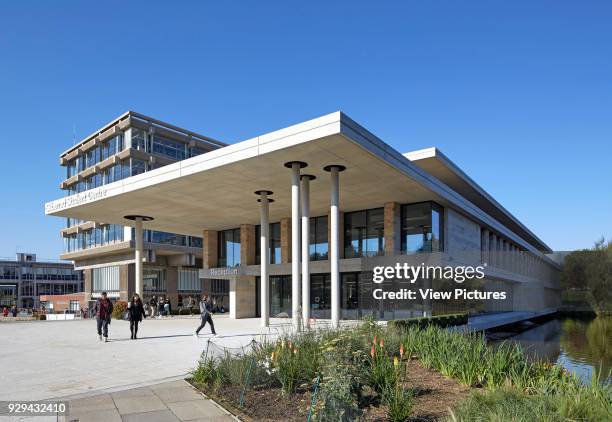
[579, 345]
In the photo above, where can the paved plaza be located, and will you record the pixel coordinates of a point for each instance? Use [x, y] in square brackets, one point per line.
[57, 359]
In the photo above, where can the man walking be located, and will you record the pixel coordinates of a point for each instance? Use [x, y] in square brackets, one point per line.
[205, 316]
[190, 305]
[103, 310]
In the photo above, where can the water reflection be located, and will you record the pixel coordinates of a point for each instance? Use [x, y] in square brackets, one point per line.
[578, 345]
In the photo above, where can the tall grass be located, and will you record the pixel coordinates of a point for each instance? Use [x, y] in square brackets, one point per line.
[372, 356]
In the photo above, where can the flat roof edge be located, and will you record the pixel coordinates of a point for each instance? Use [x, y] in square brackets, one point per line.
[434, 152]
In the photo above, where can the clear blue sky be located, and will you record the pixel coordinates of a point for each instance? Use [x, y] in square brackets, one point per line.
[517, 93]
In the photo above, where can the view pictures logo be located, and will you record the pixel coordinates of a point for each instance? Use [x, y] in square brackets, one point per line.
[412, 273]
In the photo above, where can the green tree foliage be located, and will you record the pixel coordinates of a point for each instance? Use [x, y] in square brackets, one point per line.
[591, 269]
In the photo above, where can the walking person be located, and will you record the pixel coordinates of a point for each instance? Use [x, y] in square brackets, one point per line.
[136, 311]
[205, 316]
[153, 304]
[168, 307]
[161, 308]
[190, 305]
[180, 304]
[103, 310]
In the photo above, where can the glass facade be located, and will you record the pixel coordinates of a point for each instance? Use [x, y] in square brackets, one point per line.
[274, 240]
[229, 248]
[140, 140]
[99, 236]
[319, 247]
[421, 228]
[154, 279]
[364, 233]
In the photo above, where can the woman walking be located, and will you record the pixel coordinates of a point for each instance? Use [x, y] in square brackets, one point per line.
[136, 310]
[205, 316]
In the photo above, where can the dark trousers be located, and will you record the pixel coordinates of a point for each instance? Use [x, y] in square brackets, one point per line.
[102, 326]
[134, 327]
[204, 320]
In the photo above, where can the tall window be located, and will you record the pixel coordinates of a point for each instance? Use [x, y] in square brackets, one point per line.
[318, 238]
[106, 279]
[154, 279]
[229, 248]
[422, 228]
[364, 233]
[274, 242]
[189, 280]
[139, 139]
[112, 146]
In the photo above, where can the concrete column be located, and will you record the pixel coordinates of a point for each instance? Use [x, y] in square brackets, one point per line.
[264, 240]
[485, 247]
[295, 167]
[392, 212]
[334, 243]
[210, 257]
[285, 234]
[247, 244]
[493, 250]
[305, 190]
[138, 252]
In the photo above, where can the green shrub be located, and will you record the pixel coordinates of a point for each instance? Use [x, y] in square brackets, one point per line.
[510, 404]
[119, 309]
[382, 374]
[399, 401]
[340, 383]
[442, 321]
[205, 374]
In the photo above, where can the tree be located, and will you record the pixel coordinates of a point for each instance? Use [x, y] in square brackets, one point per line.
[591, 269]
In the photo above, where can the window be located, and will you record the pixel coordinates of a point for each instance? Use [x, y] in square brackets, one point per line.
[75, 305]
[189, 280]
[8, 273]
[195, 242]
[112, 174]
[229, 248]
[112, 146]
[139, 139]
[154, 279]
[92, 157]
[421, 228]
[72, 168]
[219, 287]
[274, 242]
[318, 238]
[138, 166]
[106, 279]
[169, 147]
[364, 233]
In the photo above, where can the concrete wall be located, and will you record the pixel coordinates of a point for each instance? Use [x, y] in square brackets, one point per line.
[461, 238]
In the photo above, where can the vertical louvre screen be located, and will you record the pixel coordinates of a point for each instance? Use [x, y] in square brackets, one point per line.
[188, 281]
[106, 279]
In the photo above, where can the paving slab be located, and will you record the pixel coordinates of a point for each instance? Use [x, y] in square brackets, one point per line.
[138, 404]
[189, 410]
[159, 416]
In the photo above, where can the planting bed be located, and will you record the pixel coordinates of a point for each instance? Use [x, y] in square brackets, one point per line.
[434, 396]
[373, 373]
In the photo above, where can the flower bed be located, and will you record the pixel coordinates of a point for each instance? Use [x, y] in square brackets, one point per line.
[368, 373]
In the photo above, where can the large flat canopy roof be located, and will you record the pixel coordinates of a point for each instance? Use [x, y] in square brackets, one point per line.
[215, 190]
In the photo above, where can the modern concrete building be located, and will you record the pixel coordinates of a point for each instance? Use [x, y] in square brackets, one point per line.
[131, 144]
[297, 219]
[24, 279]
